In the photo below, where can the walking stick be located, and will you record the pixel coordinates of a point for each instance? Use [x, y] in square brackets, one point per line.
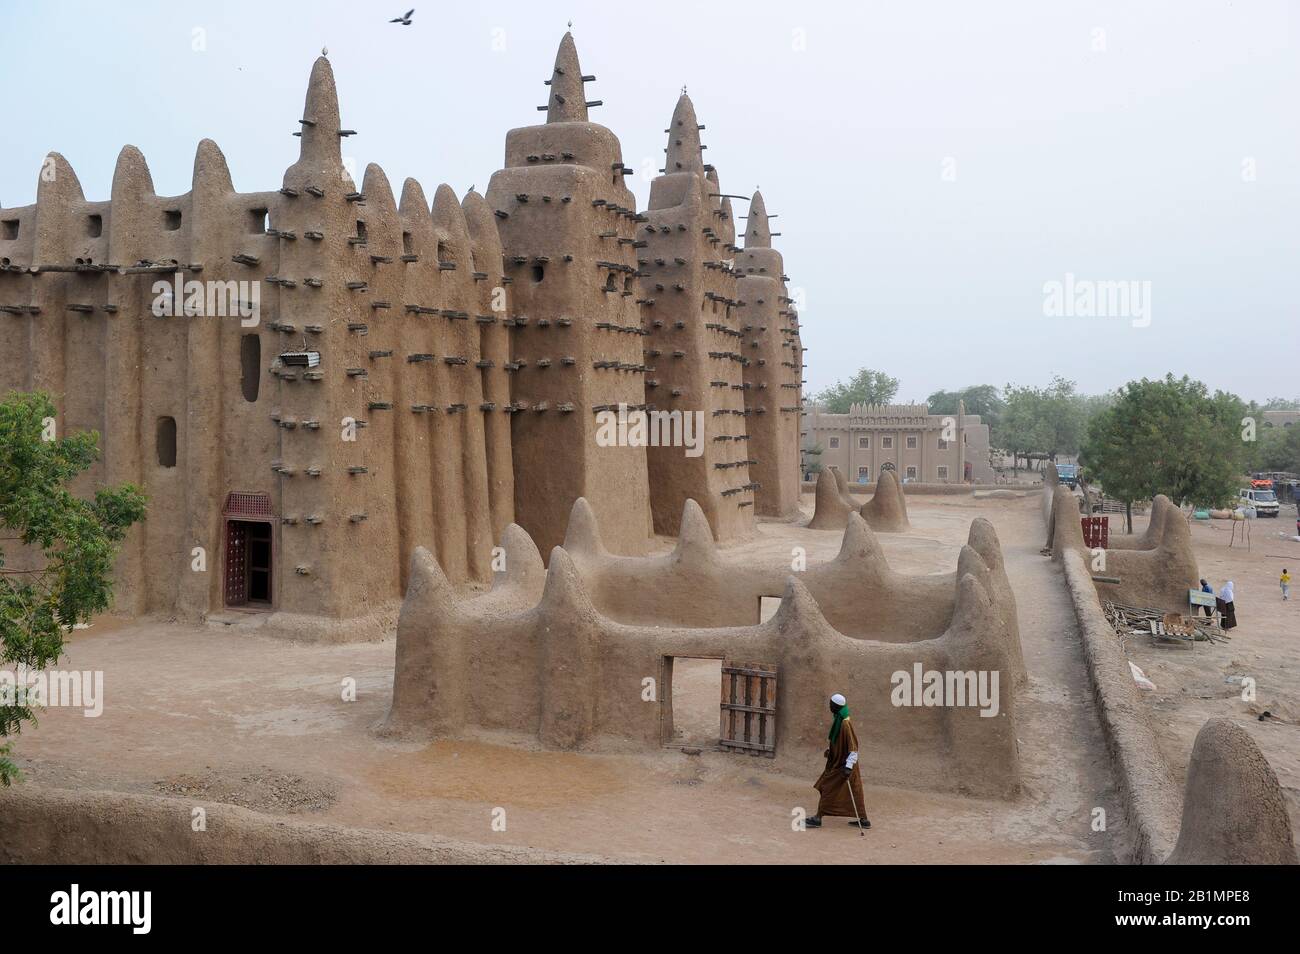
[861, 831]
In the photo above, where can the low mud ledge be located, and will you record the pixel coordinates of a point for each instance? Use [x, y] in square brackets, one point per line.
[65, 826]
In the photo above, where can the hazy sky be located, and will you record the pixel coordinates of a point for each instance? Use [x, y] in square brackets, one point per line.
[933, 164]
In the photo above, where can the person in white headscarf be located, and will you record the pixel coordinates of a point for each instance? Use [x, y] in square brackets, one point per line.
[1226, 607]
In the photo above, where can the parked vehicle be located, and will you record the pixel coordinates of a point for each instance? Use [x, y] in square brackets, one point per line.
[1264, 501]
[1068, 474]
[1282, 482]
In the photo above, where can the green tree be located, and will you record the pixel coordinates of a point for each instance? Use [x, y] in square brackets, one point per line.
[1094, 404]
[1020, 429]
[1042, 423]
[865, 387]
[1276, 448]
[982, 399]
[70, 542]
[1168, 437]
[1281, 404]
[1062, 409]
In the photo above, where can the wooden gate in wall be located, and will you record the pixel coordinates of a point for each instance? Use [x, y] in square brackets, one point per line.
[748, 715]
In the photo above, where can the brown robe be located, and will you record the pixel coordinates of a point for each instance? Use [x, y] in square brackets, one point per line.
[833, 786]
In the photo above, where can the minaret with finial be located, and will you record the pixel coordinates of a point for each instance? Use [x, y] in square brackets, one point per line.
[326, 485]
[693, 342]
[568, 227]
[774, 372]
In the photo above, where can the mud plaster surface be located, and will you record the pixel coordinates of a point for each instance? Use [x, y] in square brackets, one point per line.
[244, 713]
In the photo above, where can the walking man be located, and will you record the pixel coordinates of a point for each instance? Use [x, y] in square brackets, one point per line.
[840, 783]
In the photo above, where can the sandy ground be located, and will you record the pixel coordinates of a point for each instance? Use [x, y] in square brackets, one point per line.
[1193, 685]
[221, 713]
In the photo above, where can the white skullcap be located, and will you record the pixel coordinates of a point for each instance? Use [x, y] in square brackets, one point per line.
[837, 699]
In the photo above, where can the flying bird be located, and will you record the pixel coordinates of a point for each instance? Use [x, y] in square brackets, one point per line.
[405, 18]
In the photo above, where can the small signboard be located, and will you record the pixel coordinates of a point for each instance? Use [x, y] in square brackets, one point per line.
[1200, 598]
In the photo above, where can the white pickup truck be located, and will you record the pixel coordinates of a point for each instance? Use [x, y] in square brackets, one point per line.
[1264, 502]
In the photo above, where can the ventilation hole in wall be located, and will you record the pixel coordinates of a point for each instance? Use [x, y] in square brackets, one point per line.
[444, 253]
[361, 229]
[407, 248]
[171, 220]
[9, 229]
[538, 273]
[165, 441]
[258, 221]
[250, 364]
[94, 225]
[611, 282]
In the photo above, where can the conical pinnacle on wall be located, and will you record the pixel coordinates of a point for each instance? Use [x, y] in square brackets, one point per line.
[684, 149]
[758, 231]
[568, 102]
[320, 152]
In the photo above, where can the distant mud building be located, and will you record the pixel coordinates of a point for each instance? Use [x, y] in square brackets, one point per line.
[906, 438]
[311, 382]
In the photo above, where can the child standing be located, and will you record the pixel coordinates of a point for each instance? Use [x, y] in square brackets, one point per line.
[1286, 584]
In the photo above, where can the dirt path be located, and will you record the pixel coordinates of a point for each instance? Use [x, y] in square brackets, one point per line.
[1063, 753]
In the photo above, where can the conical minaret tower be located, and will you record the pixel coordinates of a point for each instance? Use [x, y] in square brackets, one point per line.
[326, 467]
[774, 369]
[693, 354]
[568, 230]
[383, 444]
